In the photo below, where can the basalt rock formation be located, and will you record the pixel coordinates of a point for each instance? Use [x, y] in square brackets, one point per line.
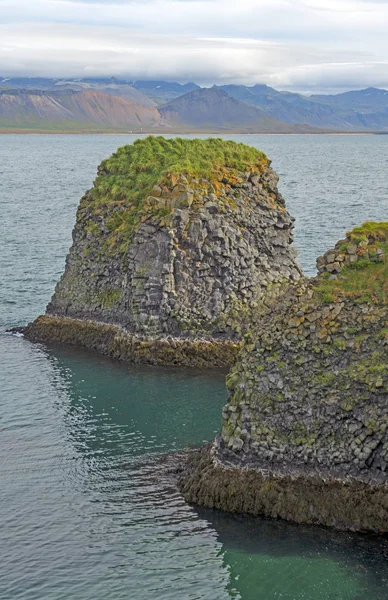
[175, 248]
[305, 431]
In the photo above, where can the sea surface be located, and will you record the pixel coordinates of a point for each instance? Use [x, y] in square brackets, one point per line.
[86, 512]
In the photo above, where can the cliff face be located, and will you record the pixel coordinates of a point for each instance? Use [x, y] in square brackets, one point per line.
[184, 251]
[304, 433]
[73, 110]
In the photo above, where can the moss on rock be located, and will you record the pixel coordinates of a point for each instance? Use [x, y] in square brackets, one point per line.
[181, 238]
[306, 498]
[131, 185]
[307, 412]
[117, 343]
[357, 268]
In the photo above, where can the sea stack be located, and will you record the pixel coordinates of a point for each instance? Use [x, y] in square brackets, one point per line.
[176, 249]
[304, 433]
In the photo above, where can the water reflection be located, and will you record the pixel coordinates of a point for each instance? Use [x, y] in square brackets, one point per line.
[119, 418]
[88, 511]
[121, 415]
[136, 410]
[274, 559]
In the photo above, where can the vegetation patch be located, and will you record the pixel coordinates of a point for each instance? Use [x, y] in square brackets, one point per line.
[370, 230]
[366, 279]
[109, 298]
[126, 179]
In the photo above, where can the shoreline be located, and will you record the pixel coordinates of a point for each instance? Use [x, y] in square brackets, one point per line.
[22, 131]
[304, 498]
[118, 343]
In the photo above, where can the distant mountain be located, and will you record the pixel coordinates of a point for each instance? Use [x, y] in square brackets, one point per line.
[123, 90]
[118, 104]
[370, 99]
[69, 109]
[351, 111]
[214, 109]
[89, 110]
[362, 110]
[286, 106]
[164, 91]
[110, 86]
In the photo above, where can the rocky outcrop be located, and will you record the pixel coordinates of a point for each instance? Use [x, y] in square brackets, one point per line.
[192, 253]
[359, 245]
[115, 341]
[305, 431]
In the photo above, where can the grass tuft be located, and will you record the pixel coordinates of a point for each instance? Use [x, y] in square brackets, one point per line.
[364, 281]
[126, 179]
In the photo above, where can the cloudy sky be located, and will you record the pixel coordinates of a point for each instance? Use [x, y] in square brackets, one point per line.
[299, 45]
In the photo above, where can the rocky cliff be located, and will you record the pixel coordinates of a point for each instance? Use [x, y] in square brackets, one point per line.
[179, 238]
[304, 434]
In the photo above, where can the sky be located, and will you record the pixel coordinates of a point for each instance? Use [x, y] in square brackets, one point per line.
[309, 46]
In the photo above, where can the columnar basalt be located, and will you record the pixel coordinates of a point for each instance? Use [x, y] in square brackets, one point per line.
[181, 238]
[305, 431]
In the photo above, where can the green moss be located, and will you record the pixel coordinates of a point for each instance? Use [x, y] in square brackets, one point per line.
[370, 229]
[126, 179]
[365, 280]
[324, 378]
[92, 228]
[109, 298]
[340, 344]
[383, 333]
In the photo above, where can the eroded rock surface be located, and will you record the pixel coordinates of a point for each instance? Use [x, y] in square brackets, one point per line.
[305, 430]
[221, 245]
[193, 257]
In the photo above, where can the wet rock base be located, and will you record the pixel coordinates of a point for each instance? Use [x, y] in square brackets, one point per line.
[346, 504]
[114, 341]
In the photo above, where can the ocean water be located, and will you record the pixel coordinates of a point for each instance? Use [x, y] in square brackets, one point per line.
[86, 513]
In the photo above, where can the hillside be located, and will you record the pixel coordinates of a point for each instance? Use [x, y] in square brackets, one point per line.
[89, 110]
[214, 109]
[351, 111]
[106, 85]
[361, 110]
[68, 110]
[123, 90]
[286, 106]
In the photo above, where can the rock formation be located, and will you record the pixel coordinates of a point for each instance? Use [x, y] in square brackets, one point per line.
[305, 431]
[180, 239]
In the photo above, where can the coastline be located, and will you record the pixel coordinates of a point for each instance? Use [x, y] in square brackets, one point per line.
[118, 343]
[303, 497]
[22, 131]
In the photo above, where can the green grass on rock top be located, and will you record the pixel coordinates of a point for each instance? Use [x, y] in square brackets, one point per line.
[366, 280]
[133, 170]
[126, 179]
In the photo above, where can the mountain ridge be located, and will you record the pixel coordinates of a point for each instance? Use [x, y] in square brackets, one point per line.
[203, 109]
[349, 111]
[71, 109]
[207, 108]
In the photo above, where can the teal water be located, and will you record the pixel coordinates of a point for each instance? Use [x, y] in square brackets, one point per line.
[86, 513]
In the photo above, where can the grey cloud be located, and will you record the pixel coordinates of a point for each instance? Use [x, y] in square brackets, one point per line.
[291, 44]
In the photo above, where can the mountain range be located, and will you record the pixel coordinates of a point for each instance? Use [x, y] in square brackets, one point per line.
[109, 104]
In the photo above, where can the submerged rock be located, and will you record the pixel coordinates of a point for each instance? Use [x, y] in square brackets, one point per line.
[305, 431]
[177, 239]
